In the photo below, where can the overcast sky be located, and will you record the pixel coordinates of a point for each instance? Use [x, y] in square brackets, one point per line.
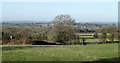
[46, 11]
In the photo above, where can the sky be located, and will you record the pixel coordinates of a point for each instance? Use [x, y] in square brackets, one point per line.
[46, 11]
[60, 0]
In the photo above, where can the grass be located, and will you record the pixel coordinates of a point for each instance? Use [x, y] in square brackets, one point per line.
[92, 40]
[86, 36]
[97, 40]
[59, 52]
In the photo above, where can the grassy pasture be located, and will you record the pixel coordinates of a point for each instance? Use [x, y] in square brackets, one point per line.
[60, 52]
[94, 40]
[98, 40]
[86, 36]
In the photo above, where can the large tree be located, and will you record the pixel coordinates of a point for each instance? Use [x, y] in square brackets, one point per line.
[62, 30]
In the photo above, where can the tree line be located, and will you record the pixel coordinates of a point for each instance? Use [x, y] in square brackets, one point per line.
[61, 32]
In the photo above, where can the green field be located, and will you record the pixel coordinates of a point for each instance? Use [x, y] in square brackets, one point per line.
[95, 40]
[86, 36]
[60, 52]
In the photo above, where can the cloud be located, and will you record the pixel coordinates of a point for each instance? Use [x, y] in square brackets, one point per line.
[59, 0]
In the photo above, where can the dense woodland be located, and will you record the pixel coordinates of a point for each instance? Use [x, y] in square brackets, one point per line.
[62, 30]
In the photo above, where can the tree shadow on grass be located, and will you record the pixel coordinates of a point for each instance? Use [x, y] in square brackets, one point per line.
[43, 43]
[34, 44]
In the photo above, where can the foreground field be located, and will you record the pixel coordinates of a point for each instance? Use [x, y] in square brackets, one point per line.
[60, 52]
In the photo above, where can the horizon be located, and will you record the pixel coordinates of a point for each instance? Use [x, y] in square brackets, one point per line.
[51, 21]
[80, 11]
